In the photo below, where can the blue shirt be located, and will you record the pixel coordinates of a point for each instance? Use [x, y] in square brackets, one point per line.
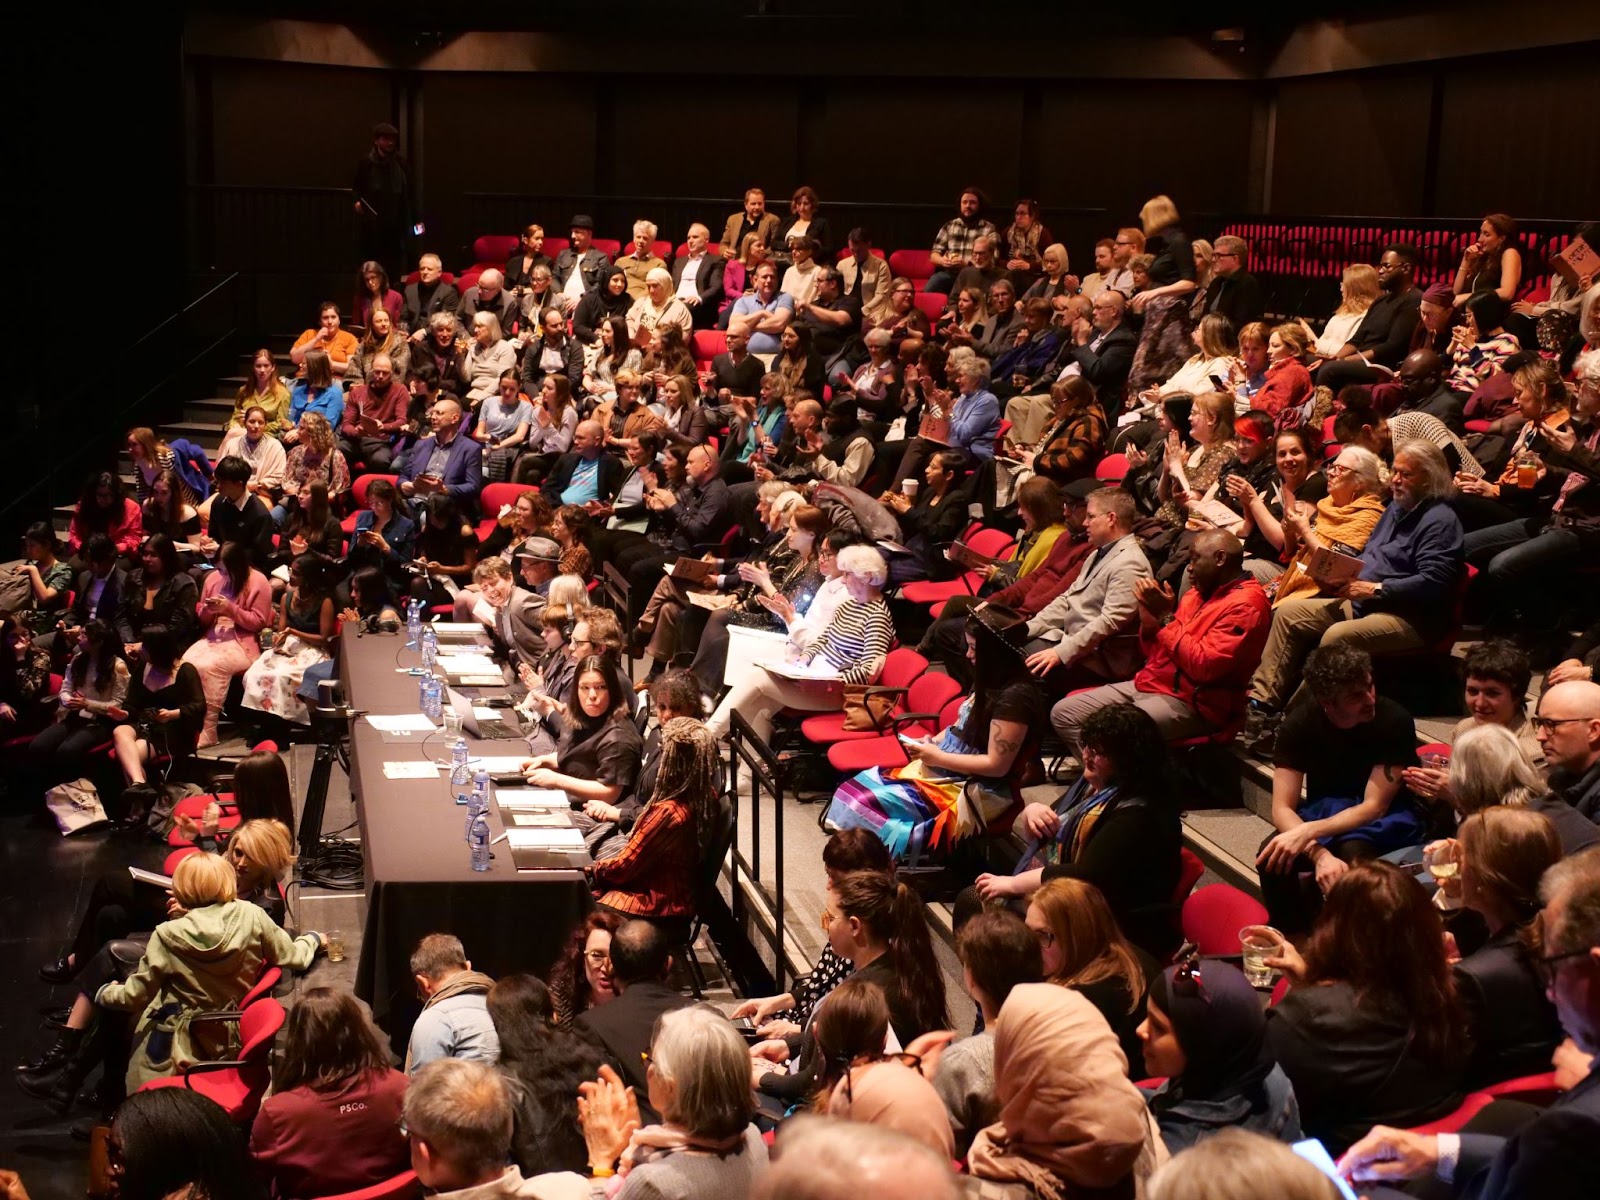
[974, 422]
[329, 403]
[763, 343]
[585, 485]
[1417, 555]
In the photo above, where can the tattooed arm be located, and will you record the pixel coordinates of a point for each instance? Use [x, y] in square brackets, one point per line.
[1005, 743]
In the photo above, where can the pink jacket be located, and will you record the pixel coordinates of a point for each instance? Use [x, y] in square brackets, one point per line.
[249, 612]
[127, 532]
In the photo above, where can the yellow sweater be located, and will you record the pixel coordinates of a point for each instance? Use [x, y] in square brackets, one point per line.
[1346, 529]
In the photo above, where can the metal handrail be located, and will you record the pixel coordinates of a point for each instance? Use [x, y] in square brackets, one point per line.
[75, 454]
[746, 746]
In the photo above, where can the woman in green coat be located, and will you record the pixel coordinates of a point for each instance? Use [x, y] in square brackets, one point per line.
[205, 957]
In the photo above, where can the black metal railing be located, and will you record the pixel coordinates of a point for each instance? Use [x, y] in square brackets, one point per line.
[80, 433]
[748, 749]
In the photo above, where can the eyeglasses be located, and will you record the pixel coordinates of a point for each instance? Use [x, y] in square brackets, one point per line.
[826, 920]
[1046, 937]
[597, 956]
[1549, 965]
[1548, 724]
[400, 1124]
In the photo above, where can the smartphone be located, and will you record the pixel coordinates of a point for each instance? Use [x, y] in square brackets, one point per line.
[1317, 1155]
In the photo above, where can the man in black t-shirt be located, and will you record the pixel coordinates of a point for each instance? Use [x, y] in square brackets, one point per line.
[1346, 747]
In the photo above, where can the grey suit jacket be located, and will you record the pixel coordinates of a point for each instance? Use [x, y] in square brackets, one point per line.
[519, 627]
[1099, 603]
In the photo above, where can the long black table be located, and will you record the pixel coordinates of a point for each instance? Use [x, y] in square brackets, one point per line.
[419, 874]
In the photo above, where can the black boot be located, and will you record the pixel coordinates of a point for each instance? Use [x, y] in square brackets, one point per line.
[58, 1085]
[66, 1044]
[63, 969]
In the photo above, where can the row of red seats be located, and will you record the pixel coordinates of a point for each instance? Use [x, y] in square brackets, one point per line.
[1324, 251]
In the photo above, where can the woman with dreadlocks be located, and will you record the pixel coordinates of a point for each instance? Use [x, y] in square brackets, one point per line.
[654, 875]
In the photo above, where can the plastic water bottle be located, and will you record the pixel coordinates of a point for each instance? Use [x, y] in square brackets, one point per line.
[480, 789]
[422, 693]
[475, 809]
[413, 623]
[460, 771]
[430, 647]
[432, 697]
[479, 841]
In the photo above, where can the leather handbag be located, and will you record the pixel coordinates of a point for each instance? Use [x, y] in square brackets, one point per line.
[868, 708]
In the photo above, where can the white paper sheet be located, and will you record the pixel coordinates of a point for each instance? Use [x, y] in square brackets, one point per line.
[501, 765]
[532, 799]
[485, 714]
[457, 627]
[401, 723]
[545, 839]
[481, 680]
[410, 770]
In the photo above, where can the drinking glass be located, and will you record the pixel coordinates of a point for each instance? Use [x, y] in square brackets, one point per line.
[1259, 943]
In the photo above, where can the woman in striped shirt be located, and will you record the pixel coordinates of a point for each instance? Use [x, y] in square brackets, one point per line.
[850, 650]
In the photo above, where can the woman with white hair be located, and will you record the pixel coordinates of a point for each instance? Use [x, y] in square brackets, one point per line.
[488, 357]
[873, 384]
[1343, 520]
[698, 1076]
[850, 650]
[659, 308]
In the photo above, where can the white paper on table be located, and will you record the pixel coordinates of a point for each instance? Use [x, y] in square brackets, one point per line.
[401, 723]
[465, 662]
[532, 799]
[457, 627]
[410, 770]
[543, 820]
[545, 839]
[481, 680]
[506, 764]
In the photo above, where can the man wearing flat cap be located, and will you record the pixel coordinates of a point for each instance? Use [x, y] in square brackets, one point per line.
[579, 266]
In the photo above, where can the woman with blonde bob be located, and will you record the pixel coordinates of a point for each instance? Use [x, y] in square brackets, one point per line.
[1239, 1165]
[204, 958]
[1085, 952]
[1164, 340]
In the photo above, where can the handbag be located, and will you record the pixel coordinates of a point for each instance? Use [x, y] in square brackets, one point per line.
[497, 463]
[867, 708]
[75, 806]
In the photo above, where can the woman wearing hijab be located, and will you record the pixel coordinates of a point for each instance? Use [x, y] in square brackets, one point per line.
[1069, 1118]
[860, 1081]
[600, 304]
[1204, 1029]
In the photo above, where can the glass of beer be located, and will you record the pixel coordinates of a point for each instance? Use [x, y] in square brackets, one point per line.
[1527, 471]
[335, 945]
[1443, 859]
[1259, 943]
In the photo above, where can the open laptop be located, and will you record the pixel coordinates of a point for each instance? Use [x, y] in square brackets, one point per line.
[503, 725]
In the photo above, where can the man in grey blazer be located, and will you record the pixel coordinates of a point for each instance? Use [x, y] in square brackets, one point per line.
[516, 613]
[1067, 637]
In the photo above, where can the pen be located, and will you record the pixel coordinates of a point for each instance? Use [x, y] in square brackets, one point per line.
[501, 838]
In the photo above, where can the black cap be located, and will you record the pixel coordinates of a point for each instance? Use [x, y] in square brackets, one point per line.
[1081, 489]
[384, 129]
[582, 221]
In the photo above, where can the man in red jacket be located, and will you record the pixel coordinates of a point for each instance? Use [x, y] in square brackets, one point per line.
[947, 636]
[1200, 651]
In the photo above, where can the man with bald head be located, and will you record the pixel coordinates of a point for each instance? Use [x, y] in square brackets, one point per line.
[1568, 726]
[586, 472]
[697, 277]
[445, 462]
[374, 415]
[1200, 650]
[1422, 390]
[490, 295]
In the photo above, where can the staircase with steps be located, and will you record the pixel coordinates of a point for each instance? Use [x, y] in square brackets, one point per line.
[203, 421]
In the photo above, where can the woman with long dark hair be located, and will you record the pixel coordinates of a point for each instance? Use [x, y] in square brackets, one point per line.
[160, 592]
[93, 693]
[307, 624]
[313, 528]
[1371, 1031]
[656, 873]
[879, 926]
[446, 544]
[598, 747]
[373, 293]
[162, 716]
[165, 511]
[260, 792]
[957, 782]
[331, 1124]
[545, 1062]
[105, 508]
